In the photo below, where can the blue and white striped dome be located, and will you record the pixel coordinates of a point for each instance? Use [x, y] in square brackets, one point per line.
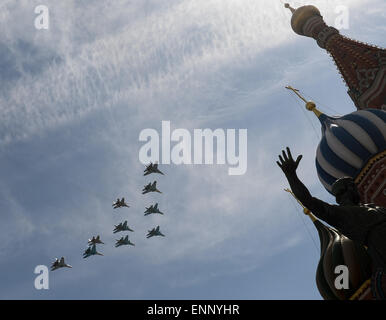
[348, 143]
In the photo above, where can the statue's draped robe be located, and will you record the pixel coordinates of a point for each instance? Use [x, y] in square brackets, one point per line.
[364, 224]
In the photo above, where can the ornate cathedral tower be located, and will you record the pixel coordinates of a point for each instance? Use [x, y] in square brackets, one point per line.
[362, 66]
[352, 145]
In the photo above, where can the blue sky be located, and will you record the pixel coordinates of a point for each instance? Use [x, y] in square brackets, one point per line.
[73, 101]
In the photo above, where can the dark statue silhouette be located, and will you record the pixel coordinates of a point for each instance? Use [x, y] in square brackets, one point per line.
[365, 224]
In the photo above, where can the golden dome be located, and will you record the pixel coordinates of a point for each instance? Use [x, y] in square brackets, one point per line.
[300, 17]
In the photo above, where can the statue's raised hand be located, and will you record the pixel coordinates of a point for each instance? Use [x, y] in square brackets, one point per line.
[287, 163]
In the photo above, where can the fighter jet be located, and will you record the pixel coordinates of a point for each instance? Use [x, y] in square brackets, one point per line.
[59, 264]
[122, 227]
[150, 188]
[90, 251]
[120, 203]
[124, 241]
[152, 209]
[95, 240]
[154, 232]
[152, 168]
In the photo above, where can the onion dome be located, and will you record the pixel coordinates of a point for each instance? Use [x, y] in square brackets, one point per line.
[350, 144]
[338, 250]
[301, 15]
[353, 146]
[362, 66]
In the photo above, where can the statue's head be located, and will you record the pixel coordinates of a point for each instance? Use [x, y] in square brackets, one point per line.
[345, 191]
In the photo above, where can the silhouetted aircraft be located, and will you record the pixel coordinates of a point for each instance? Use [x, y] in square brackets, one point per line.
[59, 264]
[150, 188]
[120, 203]
[90, 251]
[154, 232]
[152, 168]
[152, 209]
[95, 240]
[123, 241]
[122, 227]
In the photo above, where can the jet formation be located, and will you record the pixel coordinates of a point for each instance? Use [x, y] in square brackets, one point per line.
[119, 203]
[154, 232]
[123, 241]
[122, 227]
[150, 187]
[59, 264]
[152, 168]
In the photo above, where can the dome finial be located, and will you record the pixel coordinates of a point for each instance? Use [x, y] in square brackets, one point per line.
[287, 5]
[310, 105]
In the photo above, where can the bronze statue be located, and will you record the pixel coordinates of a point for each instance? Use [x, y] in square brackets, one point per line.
[362, 223]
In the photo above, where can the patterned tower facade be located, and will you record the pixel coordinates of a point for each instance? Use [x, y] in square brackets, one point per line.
[362, 66]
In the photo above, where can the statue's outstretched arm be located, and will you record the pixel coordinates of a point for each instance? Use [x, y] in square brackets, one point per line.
[347, 220]
[289, 166]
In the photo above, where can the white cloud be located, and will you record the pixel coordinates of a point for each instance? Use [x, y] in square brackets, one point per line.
[177, 53]
[178, 61]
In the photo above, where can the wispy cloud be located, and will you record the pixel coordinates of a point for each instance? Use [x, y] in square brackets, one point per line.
[78, 97]
[180, 53]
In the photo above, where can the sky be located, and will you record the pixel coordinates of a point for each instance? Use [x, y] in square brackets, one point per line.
[73, 101]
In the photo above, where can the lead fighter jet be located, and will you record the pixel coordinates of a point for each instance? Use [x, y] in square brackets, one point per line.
[150, 188]
[123, 241]
[90, 251]
[152, 168]
[120, 203]
[152, 209]
[122, 227]
[95, 240]
[154, 232]
[59, 264]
